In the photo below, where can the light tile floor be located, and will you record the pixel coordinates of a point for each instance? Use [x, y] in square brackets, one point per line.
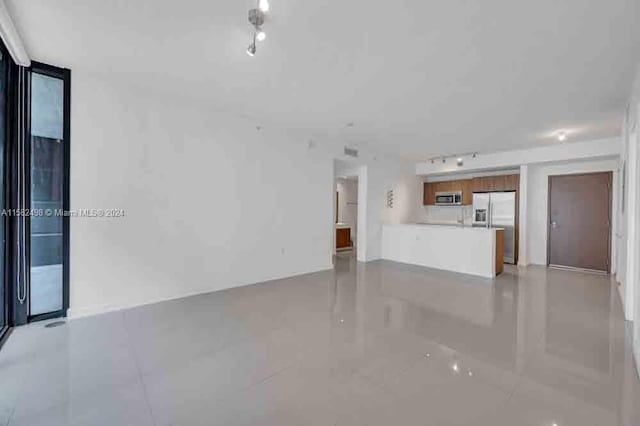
[366, 344]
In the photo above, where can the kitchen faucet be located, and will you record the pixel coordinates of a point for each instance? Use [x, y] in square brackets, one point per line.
[461, 220]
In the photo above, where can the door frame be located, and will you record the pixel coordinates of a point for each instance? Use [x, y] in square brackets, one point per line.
[5, 178]
[610, 203]
[64, 75]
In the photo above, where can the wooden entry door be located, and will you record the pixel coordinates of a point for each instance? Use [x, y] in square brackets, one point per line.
[580, 221]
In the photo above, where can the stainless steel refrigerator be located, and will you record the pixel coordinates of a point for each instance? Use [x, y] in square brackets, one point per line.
[497, 210]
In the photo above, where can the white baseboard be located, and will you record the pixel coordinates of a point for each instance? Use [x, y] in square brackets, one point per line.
[88, 311]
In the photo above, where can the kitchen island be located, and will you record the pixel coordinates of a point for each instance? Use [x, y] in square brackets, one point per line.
[456, 248]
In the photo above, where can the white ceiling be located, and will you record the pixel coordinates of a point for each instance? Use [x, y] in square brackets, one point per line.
[416, 77]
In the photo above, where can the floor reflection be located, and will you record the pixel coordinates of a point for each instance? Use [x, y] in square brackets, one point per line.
[561, 333]
[364, 344]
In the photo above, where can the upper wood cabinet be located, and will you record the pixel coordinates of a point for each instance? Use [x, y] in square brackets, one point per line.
[430, 189]
[512, 182]
[469, 186]
[496, 183]
[429, 196]
[467, 192]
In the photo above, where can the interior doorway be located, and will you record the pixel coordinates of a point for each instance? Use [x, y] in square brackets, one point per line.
[579, 227]
[346, 220]
[346, 213]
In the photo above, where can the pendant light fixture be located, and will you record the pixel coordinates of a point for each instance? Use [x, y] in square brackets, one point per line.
[256, 19]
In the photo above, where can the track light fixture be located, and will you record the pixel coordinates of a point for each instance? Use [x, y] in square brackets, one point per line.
[459, 158]
[256, 19]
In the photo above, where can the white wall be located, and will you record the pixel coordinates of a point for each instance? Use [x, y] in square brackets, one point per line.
[537, 201]
[629, 240]
[207, 198]
[629, 231]
[375, 179]
[621, 230]
[569, 151]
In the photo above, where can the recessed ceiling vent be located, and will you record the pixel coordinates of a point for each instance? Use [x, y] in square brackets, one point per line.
[350, 152]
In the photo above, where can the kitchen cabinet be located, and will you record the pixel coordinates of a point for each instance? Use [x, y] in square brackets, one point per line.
[343, 238]
[512, 182]
[467, 192]
[496, 183]
[499, 251]
[477, 184]
[431, 188]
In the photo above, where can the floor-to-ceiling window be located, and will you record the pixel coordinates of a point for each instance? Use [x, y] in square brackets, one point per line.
[34, 192]
[47, 163]
[47, 190]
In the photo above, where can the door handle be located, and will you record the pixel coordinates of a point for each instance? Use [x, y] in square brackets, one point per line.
[554, 224]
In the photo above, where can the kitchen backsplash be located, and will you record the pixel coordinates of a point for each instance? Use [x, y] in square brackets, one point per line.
[446, 214]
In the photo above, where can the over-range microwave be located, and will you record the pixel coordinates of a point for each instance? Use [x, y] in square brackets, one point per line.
[453, 198]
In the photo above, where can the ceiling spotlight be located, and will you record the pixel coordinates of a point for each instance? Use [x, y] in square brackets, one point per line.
[459, 161]
[261, 35]
[263, 5]
[251, 50]
[562, 136]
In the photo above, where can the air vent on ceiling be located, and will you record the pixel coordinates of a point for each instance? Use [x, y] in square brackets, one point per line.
[350, 152]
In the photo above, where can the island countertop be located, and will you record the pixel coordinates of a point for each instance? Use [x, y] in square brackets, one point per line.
[451, 247]
[451, 225]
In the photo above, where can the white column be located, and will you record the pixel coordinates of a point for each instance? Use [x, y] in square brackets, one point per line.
[523, 242]
[363, 208]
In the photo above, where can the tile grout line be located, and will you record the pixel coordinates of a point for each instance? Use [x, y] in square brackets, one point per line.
[227, 345]
[140, 377]
[524, 364]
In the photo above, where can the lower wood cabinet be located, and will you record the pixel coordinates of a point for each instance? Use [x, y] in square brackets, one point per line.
[499, 251]
[343, 237]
